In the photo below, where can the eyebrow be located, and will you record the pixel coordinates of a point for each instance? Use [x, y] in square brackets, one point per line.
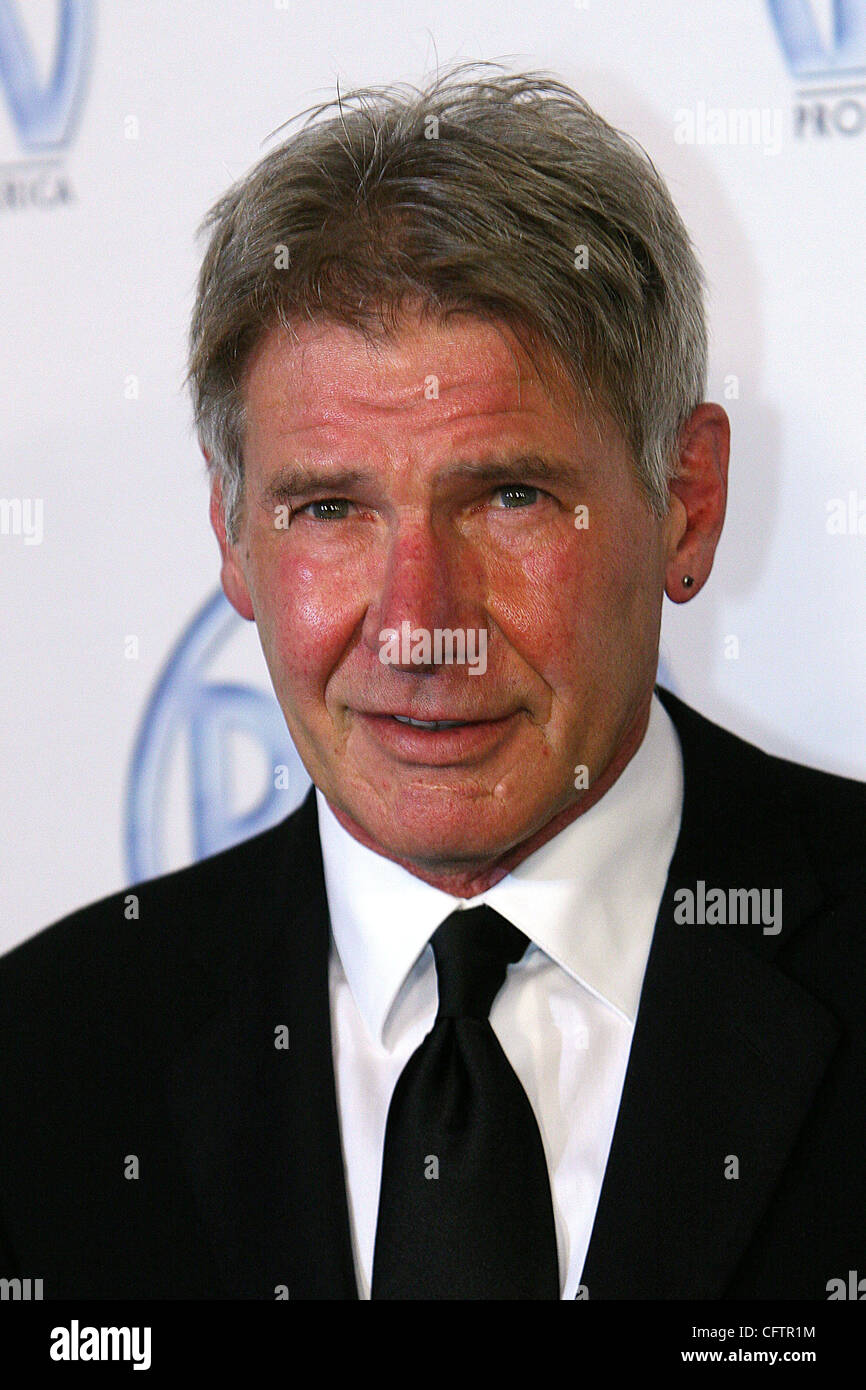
[517, 469]
[299, 479]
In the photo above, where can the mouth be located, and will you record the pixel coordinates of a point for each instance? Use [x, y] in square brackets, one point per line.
[437, 742]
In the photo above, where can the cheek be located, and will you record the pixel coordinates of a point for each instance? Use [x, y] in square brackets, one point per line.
[577, 604]
[306, 615]
[541, 607]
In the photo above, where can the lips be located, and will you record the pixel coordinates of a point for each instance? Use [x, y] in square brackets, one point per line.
[442, 742]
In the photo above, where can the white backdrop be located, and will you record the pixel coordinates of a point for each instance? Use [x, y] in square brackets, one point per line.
[120, 123]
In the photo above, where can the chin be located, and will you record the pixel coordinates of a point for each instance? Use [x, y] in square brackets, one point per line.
[442, 835]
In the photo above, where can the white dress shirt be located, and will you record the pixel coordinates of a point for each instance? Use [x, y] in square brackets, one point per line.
[588, 902]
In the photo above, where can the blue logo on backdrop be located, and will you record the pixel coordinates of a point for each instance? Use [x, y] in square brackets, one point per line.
[830, 58]
[186, 705]
[44, 114]
[807, 52]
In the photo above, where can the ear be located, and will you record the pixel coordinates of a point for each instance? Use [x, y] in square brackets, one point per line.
[698, 499]
[231, 574]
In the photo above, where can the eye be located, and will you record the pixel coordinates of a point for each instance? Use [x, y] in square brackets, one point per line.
[517, 495]
[327, 509]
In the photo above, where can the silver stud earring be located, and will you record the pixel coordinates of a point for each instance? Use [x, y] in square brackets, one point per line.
[687, 581]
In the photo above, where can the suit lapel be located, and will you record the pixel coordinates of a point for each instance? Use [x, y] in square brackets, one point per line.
[727, 1051]
[258, 1124]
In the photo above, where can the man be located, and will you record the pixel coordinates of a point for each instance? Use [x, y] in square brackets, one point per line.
[551, 988]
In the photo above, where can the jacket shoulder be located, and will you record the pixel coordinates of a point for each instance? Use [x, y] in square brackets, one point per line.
[828, 809]
[149, 935]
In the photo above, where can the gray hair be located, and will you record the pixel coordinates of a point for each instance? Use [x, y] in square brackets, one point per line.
[473, 195]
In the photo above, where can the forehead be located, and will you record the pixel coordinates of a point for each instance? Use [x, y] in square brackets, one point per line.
[327, 374]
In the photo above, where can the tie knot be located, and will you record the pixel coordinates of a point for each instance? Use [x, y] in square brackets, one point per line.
[472, 950]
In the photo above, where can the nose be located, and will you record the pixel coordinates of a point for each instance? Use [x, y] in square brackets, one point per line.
[429, 580]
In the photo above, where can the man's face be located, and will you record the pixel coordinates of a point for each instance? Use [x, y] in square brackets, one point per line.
[423, 483]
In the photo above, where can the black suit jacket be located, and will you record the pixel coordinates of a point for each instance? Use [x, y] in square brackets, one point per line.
[154, 1039]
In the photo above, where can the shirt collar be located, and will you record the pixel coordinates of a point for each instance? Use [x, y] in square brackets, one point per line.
[588, 898]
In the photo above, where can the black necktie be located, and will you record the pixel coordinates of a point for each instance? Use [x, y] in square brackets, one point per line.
[465, 1209]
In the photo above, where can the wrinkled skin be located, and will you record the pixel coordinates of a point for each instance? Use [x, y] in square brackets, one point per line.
[387, 517]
